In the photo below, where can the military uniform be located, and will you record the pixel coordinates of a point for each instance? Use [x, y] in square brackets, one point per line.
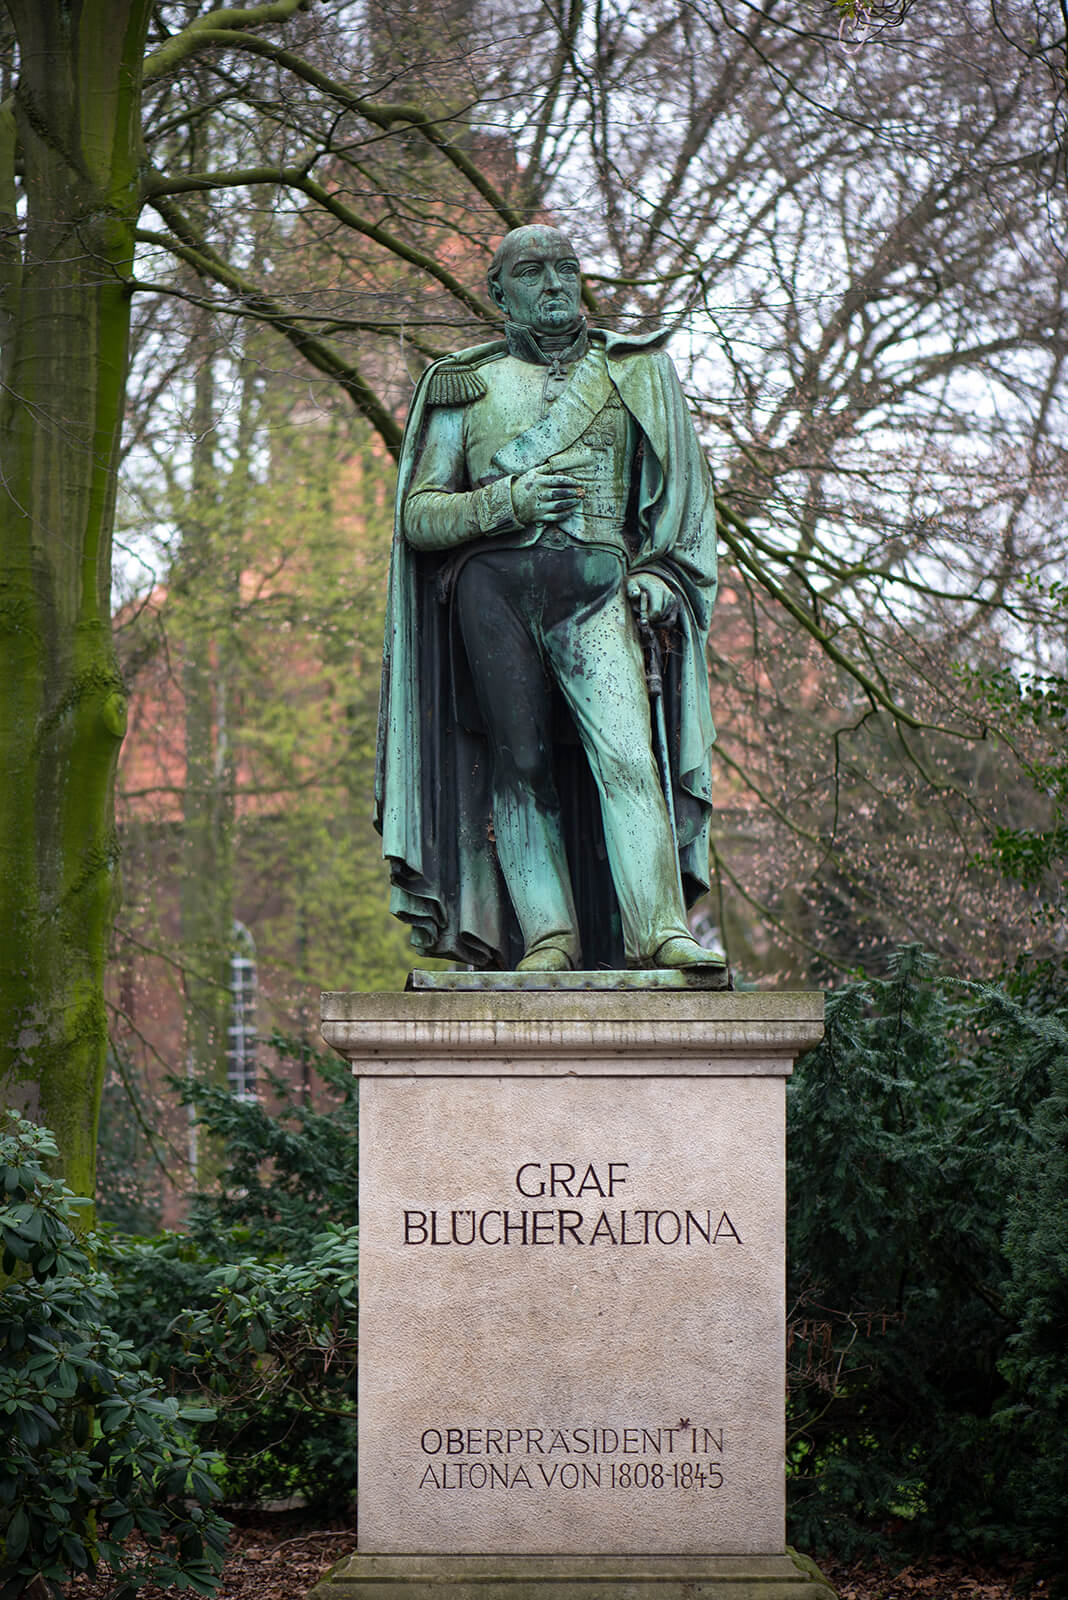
[534, 614]
[546, 604]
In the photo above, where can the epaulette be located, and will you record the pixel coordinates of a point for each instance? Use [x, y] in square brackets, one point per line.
[454, 383]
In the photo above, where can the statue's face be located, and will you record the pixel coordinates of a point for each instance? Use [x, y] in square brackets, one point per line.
[540, 285]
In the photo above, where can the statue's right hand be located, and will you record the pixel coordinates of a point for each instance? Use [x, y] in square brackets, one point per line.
[543, 495]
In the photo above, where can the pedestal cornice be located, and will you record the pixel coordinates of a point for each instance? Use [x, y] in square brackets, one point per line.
[556, 1033]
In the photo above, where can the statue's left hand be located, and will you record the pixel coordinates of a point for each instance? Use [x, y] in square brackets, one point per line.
[651, 598]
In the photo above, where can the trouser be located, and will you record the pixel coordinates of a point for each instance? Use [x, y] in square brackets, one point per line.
[543, 614]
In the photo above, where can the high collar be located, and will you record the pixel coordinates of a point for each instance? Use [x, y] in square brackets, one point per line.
[547, 350]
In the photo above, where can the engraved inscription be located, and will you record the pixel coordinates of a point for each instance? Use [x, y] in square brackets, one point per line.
[684, 1457]
[569, 1225]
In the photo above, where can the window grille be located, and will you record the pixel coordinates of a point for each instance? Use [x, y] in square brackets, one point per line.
[241, 1035]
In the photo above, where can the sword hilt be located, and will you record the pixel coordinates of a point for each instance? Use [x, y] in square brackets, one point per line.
[655, 684]
[654, 677]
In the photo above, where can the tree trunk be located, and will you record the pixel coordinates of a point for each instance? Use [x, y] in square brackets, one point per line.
[65, 308]
[205, 589]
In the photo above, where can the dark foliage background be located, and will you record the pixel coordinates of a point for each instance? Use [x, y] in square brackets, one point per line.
[928, 1219]
[91, 1449]
[255, 1306]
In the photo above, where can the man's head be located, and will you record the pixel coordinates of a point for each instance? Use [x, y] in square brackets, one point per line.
[535, 279]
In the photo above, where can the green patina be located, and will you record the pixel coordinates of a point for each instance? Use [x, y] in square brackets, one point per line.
[544, 788]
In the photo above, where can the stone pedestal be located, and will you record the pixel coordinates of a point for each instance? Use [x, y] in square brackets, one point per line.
[572, 1290]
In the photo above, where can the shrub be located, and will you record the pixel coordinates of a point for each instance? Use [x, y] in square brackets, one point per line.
[93, 1448]
[1035, 1418]
[287, 1173]
[257, 1306]
[271, 1342]
[927, 1370]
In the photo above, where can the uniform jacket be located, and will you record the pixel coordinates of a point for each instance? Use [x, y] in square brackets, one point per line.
[433, 801]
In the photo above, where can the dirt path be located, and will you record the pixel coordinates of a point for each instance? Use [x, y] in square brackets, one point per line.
[274, 1558]
[929, 1580]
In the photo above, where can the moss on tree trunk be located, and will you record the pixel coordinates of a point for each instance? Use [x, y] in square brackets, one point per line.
[76, 118]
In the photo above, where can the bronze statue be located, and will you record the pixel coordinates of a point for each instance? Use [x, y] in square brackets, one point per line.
[553, 498]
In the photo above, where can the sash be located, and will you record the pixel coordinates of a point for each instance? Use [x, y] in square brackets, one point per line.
[588, 392]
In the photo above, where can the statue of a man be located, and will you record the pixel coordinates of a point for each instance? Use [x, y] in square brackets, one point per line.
[551, 486]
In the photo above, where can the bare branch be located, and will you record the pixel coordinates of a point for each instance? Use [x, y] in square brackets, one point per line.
[202, 31]
[191, 247]
[295, 178]
[875, 692]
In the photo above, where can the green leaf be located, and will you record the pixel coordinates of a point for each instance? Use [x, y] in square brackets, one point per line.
[18, 1534]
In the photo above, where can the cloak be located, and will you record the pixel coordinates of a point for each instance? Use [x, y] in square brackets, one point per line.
[433, 800]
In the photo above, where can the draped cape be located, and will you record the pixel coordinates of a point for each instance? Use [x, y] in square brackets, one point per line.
[433, 794]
